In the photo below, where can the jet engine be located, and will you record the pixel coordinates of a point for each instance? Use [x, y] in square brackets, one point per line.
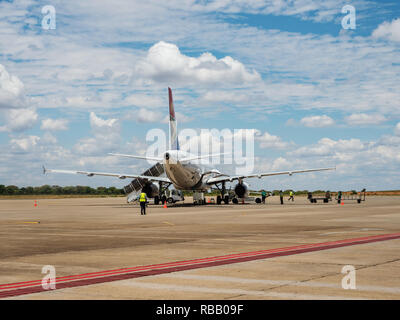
[150, 189]
[242, 190]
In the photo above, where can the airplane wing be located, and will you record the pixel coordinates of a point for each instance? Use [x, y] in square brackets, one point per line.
[191, 158]
[136, 157]
[219, 179]
[118, 175]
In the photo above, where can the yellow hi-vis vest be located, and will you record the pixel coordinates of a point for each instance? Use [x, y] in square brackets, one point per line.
[142, 197]
[291, 193]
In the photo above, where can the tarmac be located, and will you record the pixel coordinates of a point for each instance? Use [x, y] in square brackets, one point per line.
[102, 248]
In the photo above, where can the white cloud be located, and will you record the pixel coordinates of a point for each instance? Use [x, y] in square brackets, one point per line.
[267, 51]
[24, 144]
[267, 140]
[216, 141]
[90, 99]
[102, 125]
[165, 63]
[365, 119]
[318, 11]
[277, 164]
[11, 90]
[13, 104]
[106, 137]
[210, 141]
[388, 30]
[329, 147]
[19, 119]
[102, 161]
[48, 138]
[317, 121]
[180, 118]
[143, 100]
[370, 164]
[148, 116]
[224, 96]
[54, 124]
[280, 164]
[397, 129]
[291, 122]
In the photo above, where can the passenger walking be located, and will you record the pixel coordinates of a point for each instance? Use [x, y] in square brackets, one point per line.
[291, 194]
[263, 196]
[143, 201]
[281, 196]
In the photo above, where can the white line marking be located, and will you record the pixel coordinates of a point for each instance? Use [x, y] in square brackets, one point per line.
[279, 282]
[196, 289]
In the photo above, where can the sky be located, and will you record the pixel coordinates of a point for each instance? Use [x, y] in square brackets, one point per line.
[317, 93]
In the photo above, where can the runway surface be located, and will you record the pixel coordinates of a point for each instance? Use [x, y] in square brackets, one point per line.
[102, 248]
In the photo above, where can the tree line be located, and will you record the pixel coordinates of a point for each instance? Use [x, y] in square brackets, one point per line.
[58, 190]
[86, 190]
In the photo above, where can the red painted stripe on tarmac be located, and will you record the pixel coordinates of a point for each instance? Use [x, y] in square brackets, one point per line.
[27, 287]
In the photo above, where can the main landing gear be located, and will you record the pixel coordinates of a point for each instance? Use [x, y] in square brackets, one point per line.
[161, 193]
[223, 197]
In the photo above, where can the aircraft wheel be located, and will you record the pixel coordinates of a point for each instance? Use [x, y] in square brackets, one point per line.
[226, 199]
[170, 200]
[235, 201]
[219, 200]
[156, 200]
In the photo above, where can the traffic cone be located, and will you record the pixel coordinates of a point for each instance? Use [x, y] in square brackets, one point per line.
[165, 205]
[35, 203]
[342, 203]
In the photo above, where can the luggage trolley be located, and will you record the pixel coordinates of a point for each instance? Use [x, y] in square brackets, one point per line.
[360, 196]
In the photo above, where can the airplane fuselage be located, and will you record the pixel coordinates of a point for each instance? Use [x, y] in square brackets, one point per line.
[183, 175]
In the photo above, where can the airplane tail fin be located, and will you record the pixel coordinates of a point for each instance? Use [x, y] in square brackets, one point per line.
[173, 133]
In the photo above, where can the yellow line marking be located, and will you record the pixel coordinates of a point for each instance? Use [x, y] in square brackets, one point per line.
[169, 223]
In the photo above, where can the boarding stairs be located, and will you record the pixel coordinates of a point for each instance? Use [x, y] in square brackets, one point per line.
[135, 187]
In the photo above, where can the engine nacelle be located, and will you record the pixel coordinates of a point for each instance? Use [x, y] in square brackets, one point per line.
[242, 190]
[150, 189]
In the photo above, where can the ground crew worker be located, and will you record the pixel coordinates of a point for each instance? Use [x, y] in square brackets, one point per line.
[291, 194]
[281, 196]
[143, 201]
[339, 197]
[263, 196]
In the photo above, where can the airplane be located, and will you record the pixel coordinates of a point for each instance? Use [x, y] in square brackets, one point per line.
[182, 173]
